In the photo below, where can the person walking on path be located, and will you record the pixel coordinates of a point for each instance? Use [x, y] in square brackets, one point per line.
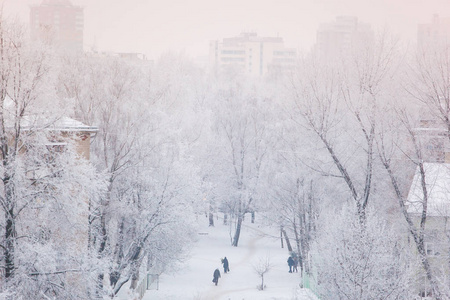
[290, 262]
[216, 276]
[295, 269]
[226, 267]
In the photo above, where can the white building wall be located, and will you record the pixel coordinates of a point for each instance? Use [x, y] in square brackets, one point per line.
[251, 54]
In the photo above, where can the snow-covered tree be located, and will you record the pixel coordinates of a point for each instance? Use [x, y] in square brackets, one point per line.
[261, 267]
[143, 144]
[44, 188]
[296, 211]
[355, 263]
[243, 133]
[339, 109]
[340, 104]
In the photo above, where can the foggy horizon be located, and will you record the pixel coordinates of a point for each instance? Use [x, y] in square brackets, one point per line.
[130, 177]
[153, 28]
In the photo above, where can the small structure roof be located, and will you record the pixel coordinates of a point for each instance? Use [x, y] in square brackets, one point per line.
[56, 2]
[64, 124]
[69, 124]
[437, 181]
[46, 122]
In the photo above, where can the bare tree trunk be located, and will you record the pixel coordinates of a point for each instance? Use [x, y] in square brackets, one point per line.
[10, 244]
[119, 285]
[299, 249]
[118, 251]
[103, 236]
[101, 248]
[118, 254]
[238, 231]
[281, 236]
[288, 243]
[211, 215]
[310, 228]
[10, 231]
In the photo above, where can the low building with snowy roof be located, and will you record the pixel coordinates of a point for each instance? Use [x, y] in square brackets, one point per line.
[437, 227]
[59, 129]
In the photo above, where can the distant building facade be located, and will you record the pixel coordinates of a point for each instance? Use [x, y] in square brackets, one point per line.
[433, 135]
[133, 58]
[60, 21]
[251, 54]
[433, 34]
[338, 38]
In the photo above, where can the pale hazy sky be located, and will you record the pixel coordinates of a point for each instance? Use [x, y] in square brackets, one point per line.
[155, 26]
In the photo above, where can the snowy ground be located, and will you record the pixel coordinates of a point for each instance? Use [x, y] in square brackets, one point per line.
[194, 279]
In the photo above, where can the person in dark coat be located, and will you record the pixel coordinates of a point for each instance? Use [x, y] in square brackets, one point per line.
[226, 267]
[216, 276]
[290, 262]
[295, 269]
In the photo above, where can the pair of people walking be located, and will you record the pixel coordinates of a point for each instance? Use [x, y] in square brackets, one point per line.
[293, 263]
[226, 269]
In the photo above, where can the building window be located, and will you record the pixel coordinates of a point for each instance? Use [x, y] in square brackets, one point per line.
[232, 59]
[235, 52]
[432, 249]
[425, 291]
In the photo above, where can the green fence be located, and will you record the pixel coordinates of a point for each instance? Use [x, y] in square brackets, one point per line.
[309, 282]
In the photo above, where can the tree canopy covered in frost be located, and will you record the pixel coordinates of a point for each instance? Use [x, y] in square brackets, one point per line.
[325, 153]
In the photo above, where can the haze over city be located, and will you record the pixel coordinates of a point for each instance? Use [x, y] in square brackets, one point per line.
[196, 149]
[154, 27]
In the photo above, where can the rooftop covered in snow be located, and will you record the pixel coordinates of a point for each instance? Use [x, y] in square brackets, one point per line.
[437, 181]
[65, 124]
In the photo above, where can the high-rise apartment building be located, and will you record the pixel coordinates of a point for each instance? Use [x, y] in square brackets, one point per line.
[434, 33]
[251, 54]
[340, 37]
[60, 21]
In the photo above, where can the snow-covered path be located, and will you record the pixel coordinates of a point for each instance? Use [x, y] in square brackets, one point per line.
[214, 293]
[194, 280]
